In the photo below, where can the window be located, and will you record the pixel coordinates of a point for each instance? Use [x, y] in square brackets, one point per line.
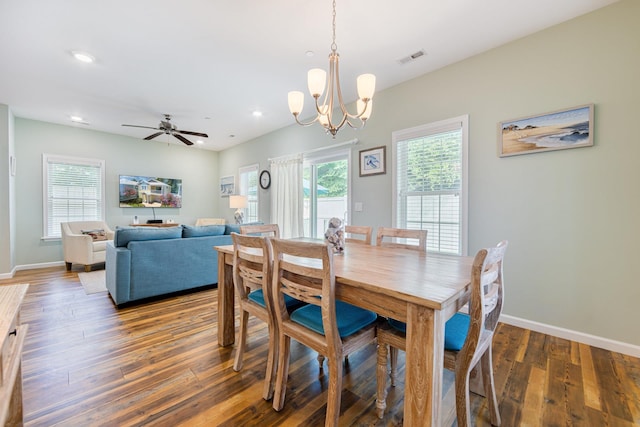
[430, 183]
[249, 187]
[73, 190]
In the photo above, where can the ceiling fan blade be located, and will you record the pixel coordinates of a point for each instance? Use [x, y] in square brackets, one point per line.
[136, 126]
[188, 132]
[153, 136]
[182, 138]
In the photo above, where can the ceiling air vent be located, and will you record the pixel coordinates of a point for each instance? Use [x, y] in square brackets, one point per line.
[412, 57]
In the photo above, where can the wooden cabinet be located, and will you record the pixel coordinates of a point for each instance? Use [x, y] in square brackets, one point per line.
[13, 334]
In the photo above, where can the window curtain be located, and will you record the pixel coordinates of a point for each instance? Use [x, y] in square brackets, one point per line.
[286, 195]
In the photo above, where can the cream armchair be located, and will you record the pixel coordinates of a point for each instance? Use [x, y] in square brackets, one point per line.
[85, 242]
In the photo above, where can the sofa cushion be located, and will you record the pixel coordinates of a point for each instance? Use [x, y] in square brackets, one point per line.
[124, 235]
[202, 230]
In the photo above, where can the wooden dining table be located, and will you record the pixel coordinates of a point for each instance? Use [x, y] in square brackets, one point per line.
[422, 289]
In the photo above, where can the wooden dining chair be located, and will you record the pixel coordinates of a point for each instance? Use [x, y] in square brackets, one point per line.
[304, 270]
[363, 231]
[467, 340]
[266, 230]
[252, 270]
[402, 233]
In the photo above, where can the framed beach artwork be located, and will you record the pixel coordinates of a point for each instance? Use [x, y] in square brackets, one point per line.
[557, 130]
[227, 185]
[372, 161]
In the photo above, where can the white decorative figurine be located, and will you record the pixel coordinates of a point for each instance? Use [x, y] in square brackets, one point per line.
[335, 235]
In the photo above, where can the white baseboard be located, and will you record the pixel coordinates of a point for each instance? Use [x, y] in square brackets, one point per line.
[41, 265]
[30, 267]
[581, 337]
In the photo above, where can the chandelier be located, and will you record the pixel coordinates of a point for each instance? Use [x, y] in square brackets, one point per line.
[316, 79]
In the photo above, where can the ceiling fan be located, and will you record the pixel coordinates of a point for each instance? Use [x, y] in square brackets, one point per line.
[166, 127]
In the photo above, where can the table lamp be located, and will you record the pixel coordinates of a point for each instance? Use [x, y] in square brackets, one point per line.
[238, 203]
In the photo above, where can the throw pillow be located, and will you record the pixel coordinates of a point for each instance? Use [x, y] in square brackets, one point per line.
[96, 235]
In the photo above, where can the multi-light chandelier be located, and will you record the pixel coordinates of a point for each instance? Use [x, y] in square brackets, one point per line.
[316, 79]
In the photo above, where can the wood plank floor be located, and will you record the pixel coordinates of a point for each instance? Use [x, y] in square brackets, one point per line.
[87, 363]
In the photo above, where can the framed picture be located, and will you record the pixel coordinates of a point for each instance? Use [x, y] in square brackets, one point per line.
[372, 161]
[227, 185]
[557, 130]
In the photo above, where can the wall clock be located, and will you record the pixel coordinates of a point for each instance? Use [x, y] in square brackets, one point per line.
[265, 179]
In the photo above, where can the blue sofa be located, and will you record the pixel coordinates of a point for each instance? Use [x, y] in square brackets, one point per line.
[144, 262]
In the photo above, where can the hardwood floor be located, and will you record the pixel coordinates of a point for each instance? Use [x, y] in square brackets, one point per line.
[158, 363]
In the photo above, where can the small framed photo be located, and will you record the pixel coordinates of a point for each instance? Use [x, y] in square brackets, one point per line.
[372, 161]
[227, 185]
[556, 130]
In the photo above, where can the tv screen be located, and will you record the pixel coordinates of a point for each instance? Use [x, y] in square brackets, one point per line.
[150, 192]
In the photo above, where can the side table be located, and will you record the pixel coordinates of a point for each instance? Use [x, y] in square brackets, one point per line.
[13, 334]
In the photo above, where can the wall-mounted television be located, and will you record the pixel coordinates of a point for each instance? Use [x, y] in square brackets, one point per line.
[138, 191]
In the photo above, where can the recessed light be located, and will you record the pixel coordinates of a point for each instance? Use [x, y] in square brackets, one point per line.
[83, 56]
[199, 142]
[257, 113]
[76, 119]
[309, 53]
[232, 136]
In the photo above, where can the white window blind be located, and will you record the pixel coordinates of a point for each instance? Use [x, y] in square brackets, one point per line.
[73, 191]
[249, 187]
[430, 187]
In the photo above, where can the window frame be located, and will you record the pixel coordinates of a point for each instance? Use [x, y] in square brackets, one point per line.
[426, 130]
[48, 159]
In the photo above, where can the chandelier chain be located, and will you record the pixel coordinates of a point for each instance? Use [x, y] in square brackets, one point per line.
[334, 46]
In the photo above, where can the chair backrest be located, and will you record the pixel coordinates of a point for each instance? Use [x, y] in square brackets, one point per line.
[252, 265]
[210, 221]
[359, 230]
[402, 233]
[304, 271]
[267, 230]
[487, 291]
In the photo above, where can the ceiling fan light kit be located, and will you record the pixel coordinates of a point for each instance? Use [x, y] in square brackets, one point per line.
[168, 128]
[317, 81]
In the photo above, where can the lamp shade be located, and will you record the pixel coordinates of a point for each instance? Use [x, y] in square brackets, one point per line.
[366, 86]
[237, 202]
[316, 79]
[296, 101]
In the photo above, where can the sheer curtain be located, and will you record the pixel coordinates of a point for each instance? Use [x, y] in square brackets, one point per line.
[286, 195]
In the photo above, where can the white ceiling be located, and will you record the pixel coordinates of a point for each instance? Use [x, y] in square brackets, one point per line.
[211, 63]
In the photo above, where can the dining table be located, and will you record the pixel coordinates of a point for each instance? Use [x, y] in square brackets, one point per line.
[421, 289]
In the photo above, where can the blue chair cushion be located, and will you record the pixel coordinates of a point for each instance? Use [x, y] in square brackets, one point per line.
[258, 298]
[350, 318]
[455, 330]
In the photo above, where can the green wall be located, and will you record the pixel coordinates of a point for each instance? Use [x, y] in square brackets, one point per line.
[571, 216]
[123, 156]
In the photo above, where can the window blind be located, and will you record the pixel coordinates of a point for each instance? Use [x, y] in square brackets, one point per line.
[429, 174]
[74, 191]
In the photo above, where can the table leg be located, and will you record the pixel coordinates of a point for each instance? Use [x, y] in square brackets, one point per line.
[226, 314]
[424, 366]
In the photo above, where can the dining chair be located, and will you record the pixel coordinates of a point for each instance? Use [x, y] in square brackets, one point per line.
[467, 340]
[364, 231]
[252, 270]
[267, 230]
[333, 328]
[402, 233]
